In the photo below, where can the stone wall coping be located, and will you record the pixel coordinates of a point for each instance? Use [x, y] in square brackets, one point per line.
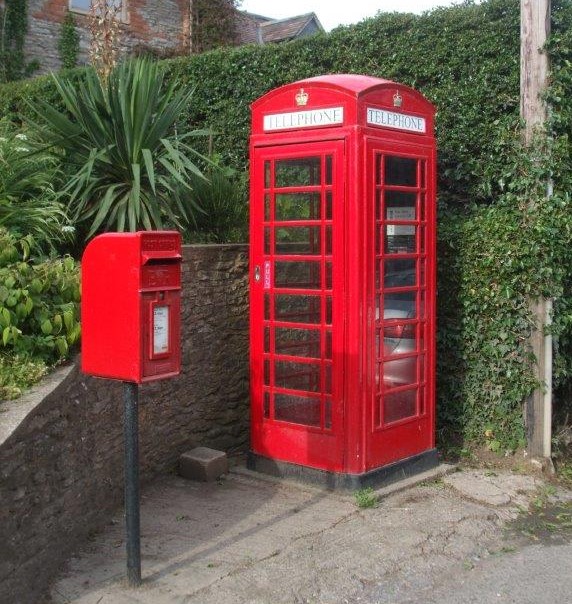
[188, 248]
[14, 412]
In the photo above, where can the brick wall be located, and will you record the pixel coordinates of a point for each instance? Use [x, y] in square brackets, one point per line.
[61, 455]
[158, 25]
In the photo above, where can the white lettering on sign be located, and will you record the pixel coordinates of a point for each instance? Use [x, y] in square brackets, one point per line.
[304, 119]
[400, 121]
[160, 329]
[267, 275]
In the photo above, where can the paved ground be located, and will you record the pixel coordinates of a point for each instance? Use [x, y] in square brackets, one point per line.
[248, 540]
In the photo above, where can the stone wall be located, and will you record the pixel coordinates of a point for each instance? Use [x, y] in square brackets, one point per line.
[160, 26]
[61, 455]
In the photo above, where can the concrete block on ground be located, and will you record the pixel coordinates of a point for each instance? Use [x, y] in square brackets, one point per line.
[203, 464]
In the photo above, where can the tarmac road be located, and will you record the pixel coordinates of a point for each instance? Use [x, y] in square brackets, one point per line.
[537, 574]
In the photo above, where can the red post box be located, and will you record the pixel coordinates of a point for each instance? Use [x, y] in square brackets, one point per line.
[343, 280]
[130, 307]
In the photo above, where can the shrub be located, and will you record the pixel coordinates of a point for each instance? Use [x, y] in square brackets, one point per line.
[39, 310]
[68, 43]
[18, 373]
[500, 241]
[222, 200]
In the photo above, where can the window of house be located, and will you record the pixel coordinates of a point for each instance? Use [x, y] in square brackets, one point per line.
[84, 6]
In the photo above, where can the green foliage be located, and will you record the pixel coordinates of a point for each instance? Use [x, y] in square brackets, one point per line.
[365, 498]
[500, 242]
[494, 260]
[13, 28]
[127, 160]
[28, 199]
[68, 43]
[484, 323]
[213, 24]
[18, 373]
[39, 310]
[223, 201]
[564, 472]
[470, 94]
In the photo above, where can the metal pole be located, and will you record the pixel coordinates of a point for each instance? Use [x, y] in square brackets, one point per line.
[132, 520]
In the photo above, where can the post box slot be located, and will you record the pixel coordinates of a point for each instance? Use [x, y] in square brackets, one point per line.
[172, 259]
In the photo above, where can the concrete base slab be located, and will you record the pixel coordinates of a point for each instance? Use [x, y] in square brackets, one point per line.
[428, 476]
[376, 478]
[494, 489]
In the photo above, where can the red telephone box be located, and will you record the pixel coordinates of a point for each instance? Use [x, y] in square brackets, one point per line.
[343, 280]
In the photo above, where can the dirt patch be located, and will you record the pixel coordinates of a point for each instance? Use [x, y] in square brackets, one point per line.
[480, 457]
[549, 524]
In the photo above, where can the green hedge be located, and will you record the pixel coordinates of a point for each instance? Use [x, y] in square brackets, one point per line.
[464, 59]
[500, 242]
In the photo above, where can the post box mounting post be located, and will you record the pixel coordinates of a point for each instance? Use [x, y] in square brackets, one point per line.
[132, 505]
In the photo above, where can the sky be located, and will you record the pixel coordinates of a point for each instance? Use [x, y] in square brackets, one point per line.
[332, 13]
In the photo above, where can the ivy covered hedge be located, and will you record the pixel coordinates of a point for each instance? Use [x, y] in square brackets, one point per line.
[500, 242]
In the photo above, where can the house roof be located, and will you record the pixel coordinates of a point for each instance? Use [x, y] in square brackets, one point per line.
[258, 29]
[287, 29]
[255, 17]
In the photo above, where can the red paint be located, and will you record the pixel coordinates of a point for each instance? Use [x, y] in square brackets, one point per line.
[130, 306]
[342, 273]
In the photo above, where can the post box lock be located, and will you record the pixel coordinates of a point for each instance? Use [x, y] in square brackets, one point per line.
[131, 288]
[257, 273]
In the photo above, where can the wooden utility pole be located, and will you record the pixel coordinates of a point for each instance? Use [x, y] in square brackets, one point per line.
[534, 68]
[192, 32]
[534, 31]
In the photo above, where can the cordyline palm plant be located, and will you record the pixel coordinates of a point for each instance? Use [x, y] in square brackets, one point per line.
[119, 138]
[223, 199]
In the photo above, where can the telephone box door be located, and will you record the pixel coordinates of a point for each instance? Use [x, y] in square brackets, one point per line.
[297, 303]
[401, 324]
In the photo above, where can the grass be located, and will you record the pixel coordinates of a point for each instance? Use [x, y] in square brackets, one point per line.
[564, 472]
[366, 498]
[17, 374]
[549, 524]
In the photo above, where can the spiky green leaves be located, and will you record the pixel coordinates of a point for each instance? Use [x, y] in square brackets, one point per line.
[128, 162]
